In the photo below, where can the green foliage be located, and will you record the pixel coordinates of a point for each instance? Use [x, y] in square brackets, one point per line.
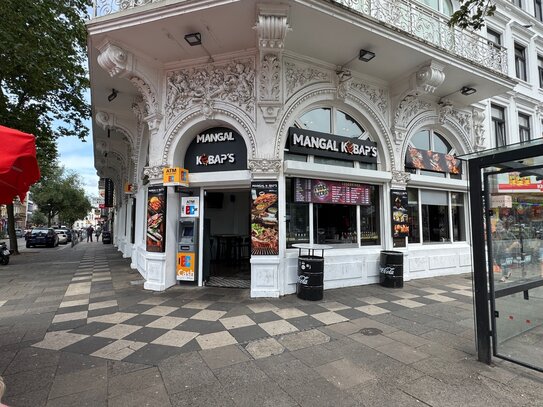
[472, 14]
[38, 218]
[42, 71]
[61, 194]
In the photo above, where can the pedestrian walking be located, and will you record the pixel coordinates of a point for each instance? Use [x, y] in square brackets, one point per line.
[90, 231]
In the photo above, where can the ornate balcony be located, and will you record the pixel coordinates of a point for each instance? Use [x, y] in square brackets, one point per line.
[411, 17]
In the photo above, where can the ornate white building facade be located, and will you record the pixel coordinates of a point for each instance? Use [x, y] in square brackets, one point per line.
[266, 70]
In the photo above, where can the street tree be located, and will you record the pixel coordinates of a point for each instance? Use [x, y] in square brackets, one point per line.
[472, 14]
[38, 218]
[61, 195]
[43, 79]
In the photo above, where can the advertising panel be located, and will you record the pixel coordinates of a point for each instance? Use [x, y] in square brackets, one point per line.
[512, 182]
[400, 217]
[156, 219]
[185, 266]
[332, 192]
[175, 176]
[108, 193]
[431, 161]
[264, 221]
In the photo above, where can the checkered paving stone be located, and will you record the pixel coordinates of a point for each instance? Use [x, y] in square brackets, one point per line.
[135, 325]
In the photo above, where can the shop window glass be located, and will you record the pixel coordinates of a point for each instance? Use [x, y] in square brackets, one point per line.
[346, 126]
[334, 224]
[431, 140]
[434, 215]
[317, 120]
[421, 140]
[333, 161]
[295, 157]
[297, 218]
[458, 220]
[413, 213]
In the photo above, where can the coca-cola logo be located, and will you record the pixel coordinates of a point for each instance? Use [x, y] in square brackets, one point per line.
[387, 270]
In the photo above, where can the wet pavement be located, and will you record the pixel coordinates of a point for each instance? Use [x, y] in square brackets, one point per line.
[77, 328]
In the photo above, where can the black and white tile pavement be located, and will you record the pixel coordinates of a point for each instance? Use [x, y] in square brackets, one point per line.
[115, 320]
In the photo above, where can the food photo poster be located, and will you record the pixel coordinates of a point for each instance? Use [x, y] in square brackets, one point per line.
[156, 219]
[264, 218]
[400, 216]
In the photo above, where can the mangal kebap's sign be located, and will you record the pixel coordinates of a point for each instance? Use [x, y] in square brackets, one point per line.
[328, 145]
[216, 149]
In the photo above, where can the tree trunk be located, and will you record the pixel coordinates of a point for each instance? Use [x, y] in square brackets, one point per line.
[11, 229]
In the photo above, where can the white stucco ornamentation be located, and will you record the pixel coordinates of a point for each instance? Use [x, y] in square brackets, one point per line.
[272, 26]
[377, 96]
[265, 166]
[430, 76]
[298, 76]
[154, 172]
[113, 59]
[478, 116]
[104, 119]
[269, 84]
[149, 97]
[408, 108]
[231, 83]
[344, 80]
[444, 111]
[400, 177]
[463, 119]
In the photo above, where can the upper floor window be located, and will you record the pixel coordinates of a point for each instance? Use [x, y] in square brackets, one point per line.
[498, 125]
[518, 3]
[540, 70]
[494, 37]
[443, 6]
[538, 10]
[520, 62]
[524, 127]
[331, 121]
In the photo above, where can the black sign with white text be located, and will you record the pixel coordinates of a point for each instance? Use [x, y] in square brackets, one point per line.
[108, 196]
[216, 149]
[328, 145]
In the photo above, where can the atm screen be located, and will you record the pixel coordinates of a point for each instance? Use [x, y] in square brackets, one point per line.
[188, 231]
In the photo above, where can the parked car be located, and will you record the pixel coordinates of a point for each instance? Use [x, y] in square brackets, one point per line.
[42, 237]
[62, 236]
[68, 233]
[106, 237]
[18, 233]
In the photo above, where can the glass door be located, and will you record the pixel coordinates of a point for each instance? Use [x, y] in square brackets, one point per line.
[514, 235]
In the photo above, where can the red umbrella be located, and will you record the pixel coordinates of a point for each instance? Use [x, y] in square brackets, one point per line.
[18, 164]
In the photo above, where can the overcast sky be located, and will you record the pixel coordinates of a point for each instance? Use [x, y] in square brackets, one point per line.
[79, 156]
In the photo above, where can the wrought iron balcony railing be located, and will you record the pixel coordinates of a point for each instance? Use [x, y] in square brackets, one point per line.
[408, 16]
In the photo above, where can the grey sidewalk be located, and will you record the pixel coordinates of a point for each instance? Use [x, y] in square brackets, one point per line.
[76, 329]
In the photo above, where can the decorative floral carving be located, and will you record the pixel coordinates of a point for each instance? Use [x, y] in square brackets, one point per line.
[408, 108]
[463, 119]
[270, 78]
[153, 172]
[445, 109]
[265, 165]
[104, 119]
[478, 129]
[377, 96]
[344, 79]
[149, 98]
[272, 26]
[300, 76]
[400, 177]
[233, 82]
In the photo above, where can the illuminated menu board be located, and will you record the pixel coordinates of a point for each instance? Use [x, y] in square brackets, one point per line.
[332, 192]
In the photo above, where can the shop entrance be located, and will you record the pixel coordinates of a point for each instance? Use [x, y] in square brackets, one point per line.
[227, 238]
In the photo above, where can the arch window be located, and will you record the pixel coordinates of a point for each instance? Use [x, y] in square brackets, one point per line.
[331, 121]
[443, 6]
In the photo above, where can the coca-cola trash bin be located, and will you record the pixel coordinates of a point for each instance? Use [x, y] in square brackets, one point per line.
[391, 269]
[310, 284]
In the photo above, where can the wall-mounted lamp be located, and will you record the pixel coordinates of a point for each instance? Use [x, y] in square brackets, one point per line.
[193, 39]
[366, 56]
[112, 95]
[466, 90]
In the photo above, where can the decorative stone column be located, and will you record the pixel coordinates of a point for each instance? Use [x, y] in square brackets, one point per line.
[272, 27]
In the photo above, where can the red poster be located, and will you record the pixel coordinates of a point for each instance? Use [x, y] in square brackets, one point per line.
[156, 219]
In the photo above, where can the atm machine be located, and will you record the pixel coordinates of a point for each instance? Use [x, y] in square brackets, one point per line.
[187, 240]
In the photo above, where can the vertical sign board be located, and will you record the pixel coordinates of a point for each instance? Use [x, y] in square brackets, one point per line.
[264, 224]
[108, 193]
[400, 218]
[156, 219]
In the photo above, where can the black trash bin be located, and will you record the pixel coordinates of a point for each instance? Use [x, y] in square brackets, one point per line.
[391, 269]
[310, 278]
